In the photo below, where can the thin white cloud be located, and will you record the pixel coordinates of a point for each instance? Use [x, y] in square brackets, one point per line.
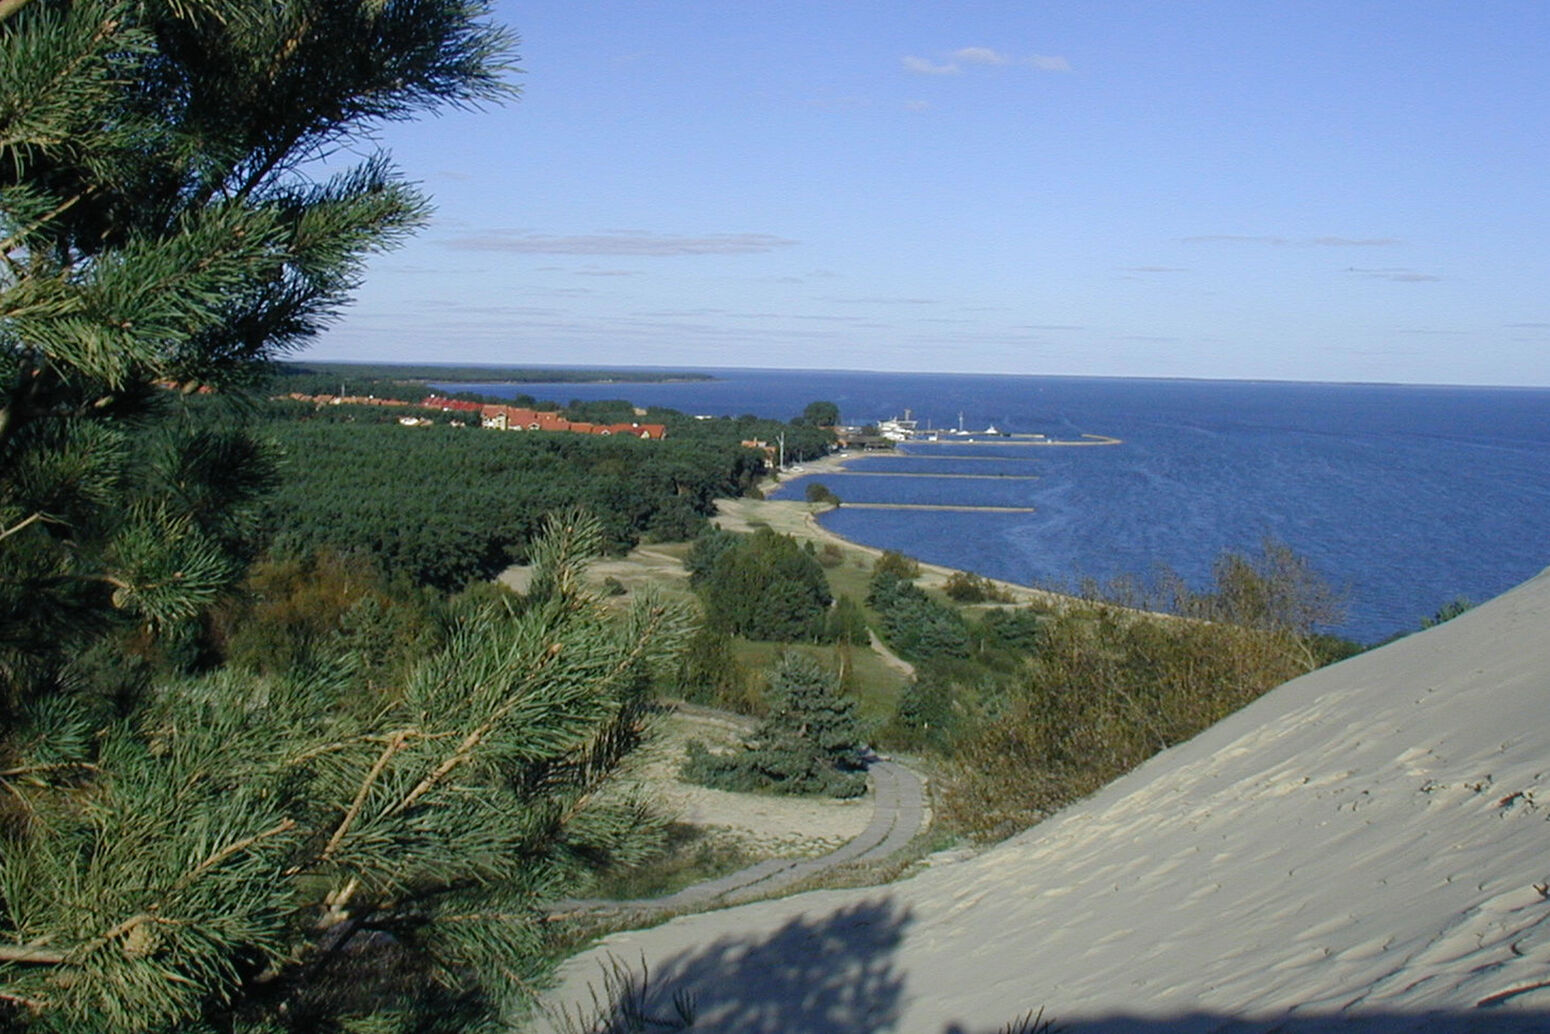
[1304, 242]
[955, 62]
[1398, 274]
[882, 301]
[979, 56]
[1233, 238]
[923, 66]
[1354, 242]
[523, 242]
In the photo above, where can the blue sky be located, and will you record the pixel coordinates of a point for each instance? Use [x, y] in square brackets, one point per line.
[1289, 190]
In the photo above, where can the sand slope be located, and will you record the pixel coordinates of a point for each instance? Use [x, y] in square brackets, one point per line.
[1368, 842]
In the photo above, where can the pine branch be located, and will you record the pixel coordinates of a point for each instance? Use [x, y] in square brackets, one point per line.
[33, 1004]
[79, 766]
[395, 744]
[285, 826]
[8, 532]
[470, 743]
[33, 954]
[60, 209]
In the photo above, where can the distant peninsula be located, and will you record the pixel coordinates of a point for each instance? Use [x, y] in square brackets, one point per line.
[486, 374]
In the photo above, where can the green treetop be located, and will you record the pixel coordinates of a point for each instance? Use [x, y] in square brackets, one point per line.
[810, 743]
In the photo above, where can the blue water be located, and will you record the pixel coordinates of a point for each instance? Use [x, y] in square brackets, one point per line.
[1403, 497]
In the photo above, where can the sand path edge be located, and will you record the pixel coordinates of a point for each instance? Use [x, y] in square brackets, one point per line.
[898, 816]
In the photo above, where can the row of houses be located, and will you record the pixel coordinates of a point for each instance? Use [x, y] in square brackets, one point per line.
[517, 418]
[341, 400]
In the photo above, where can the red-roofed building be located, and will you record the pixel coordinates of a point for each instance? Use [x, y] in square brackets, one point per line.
[447, 405]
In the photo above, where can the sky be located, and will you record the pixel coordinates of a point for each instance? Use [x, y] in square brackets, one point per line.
[1325, 191]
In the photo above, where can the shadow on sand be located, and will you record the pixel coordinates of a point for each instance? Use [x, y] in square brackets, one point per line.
[836, 974]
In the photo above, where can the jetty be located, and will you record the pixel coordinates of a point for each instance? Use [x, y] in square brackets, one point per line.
[929, 474]
[954, 507]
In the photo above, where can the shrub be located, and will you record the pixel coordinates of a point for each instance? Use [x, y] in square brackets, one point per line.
[1014, 629]
[915, 625]
[1451, 610]
[709, 673]
[818, 492]
[967, 587]
[1107, 689]
[847, 624]
[810, 743]
[896, 564]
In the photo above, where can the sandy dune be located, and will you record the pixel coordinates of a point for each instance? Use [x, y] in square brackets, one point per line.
[1366, 847]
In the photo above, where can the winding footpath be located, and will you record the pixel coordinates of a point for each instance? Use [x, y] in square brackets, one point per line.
[898, 815]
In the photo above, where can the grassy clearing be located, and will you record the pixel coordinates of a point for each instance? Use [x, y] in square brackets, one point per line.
[874, 685]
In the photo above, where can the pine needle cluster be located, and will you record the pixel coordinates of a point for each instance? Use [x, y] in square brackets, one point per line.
[252, 854]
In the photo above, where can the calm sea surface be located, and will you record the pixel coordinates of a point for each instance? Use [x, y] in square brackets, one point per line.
[1403, 497]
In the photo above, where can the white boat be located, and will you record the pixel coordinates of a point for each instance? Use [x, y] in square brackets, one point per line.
[898, 429]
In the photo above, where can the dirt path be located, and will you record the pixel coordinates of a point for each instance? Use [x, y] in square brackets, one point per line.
[893, 660]
[898, 815]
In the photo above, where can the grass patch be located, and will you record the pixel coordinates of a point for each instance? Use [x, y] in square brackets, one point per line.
[690, 856]
[874, 686]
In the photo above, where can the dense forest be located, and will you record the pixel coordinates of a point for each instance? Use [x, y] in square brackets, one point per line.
[444, 506]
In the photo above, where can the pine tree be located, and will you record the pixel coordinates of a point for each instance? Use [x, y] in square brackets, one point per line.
[159, 226]
[229, 851]
[810, 742]
[250, 854]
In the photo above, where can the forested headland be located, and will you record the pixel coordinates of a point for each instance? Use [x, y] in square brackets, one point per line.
[410, 382]
[425, 372]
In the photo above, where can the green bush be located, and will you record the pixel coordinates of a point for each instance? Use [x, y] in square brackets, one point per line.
[847, 623]
[1109, 686]
[896, 564]
[915, 625]
[967, 587]
[1016, 630]
[818, 492]
[810, 743]
[761, 586]
[708, 673]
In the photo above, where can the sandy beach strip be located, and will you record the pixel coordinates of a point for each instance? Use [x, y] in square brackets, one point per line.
[799, 518]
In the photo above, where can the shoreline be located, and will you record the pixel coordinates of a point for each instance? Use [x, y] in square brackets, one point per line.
[799, 518]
